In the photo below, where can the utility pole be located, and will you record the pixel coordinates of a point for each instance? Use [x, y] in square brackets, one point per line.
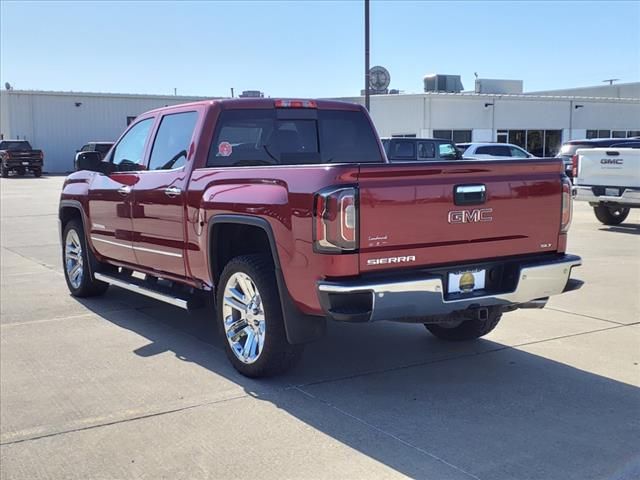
[366, 55]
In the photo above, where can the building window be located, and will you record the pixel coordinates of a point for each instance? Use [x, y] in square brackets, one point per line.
[518, 137]
[612, 133]
[541, 143]
[552, 142]
[535, 142]
[457, 136]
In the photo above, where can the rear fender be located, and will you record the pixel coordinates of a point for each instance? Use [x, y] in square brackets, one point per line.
[299, 327]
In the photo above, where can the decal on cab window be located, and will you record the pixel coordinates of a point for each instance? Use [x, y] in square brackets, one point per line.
[225, 149]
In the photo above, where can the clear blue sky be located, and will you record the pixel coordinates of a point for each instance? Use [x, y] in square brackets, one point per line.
[311, 49]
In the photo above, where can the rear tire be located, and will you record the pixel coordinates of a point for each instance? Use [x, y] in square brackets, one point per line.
[37, 172]
[250, 316]
[467, 330]
[611, 215]
[79, 263]
[4, 172]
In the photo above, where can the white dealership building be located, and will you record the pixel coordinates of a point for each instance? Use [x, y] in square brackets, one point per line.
[59, 123]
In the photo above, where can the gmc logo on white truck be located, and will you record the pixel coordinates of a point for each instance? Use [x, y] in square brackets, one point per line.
[612, 161]
[471, 216]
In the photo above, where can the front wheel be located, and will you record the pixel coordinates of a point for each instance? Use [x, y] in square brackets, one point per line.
[249, 311]
[77, 260]
[611, 215]
[467, 330]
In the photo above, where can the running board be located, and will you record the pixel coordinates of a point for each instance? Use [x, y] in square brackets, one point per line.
[138, 286]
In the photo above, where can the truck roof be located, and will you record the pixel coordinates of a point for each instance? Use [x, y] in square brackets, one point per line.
[233, 103]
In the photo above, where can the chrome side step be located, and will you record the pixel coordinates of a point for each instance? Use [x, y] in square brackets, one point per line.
[133, 285]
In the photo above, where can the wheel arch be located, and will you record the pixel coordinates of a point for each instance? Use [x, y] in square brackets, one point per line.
[300, 328]
[68, 210]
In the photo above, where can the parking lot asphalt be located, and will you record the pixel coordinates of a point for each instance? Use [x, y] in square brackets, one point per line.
[126, 387]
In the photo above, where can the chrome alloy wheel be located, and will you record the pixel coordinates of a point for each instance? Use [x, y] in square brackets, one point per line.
[244, 320]
[73, 262]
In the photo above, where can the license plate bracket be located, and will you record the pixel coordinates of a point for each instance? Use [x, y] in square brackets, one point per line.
[612, 192]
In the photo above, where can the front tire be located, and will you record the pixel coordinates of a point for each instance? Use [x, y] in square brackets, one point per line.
[250, 315]
[611, 215]
[467, 330]
[79, 263]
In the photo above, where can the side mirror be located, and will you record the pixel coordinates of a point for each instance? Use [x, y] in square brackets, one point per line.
[91, 161]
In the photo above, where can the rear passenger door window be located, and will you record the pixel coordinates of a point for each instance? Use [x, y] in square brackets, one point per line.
[426, 151]
[171, 145]
[516, 152]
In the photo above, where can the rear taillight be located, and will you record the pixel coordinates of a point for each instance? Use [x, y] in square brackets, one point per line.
[296, 104]
[335, 220]
[567, 206]
[574, 166]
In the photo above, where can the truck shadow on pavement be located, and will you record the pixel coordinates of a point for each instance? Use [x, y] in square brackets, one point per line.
[423, 407]
[632, 228]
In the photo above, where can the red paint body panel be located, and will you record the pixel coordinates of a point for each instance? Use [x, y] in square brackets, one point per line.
[407, 204]
[404, 211]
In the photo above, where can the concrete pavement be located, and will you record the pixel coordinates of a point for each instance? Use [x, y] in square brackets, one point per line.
[126, 387]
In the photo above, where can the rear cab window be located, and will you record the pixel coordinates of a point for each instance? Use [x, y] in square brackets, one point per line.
[253, 137]
[15, 145]
[103, 148]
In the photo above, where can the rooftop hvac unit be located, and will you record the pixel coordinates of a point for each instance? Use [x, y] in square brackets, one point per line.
[251, 94]
[442, 83]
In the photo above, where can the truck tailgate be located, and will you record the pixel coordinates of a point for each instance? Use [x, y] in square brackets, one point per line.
[409, 216]
[617, 167]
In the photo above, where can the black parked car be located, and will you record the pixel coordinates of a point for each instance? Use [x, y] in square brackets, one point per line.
[403, 149]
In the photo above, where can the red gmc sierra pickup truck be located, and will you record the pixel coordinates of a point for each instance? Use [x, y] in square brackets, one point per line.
[287, 212]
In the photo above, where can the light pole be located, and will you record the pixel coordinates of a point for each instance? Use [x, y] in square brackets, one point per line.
[493, 118]
[366, 55]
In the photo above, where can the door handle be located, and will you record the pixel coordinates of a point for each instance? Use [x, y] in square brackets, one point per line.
[470, 194]
[172, 191]
[126, 190]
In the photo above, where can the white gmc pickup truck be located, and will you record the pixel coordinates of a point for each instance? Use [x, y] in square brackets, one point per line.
[609, 179]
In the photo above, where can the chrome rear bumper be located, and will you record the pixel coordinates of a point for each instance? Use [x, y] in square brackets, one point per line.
[629, 197]
[405, 299]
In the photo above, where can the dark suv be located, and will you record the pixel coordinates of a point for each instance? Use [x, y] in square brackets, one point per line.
[402, 149]
[569, 148]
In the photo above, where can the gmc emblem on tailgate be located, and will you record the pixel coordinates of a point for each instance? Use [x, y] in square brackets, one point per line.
[471, 216]
[612, 161]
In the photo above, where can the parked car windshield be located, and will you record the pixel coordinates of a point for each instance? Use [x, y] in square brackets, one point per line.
[295, 137]
[15, 145]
